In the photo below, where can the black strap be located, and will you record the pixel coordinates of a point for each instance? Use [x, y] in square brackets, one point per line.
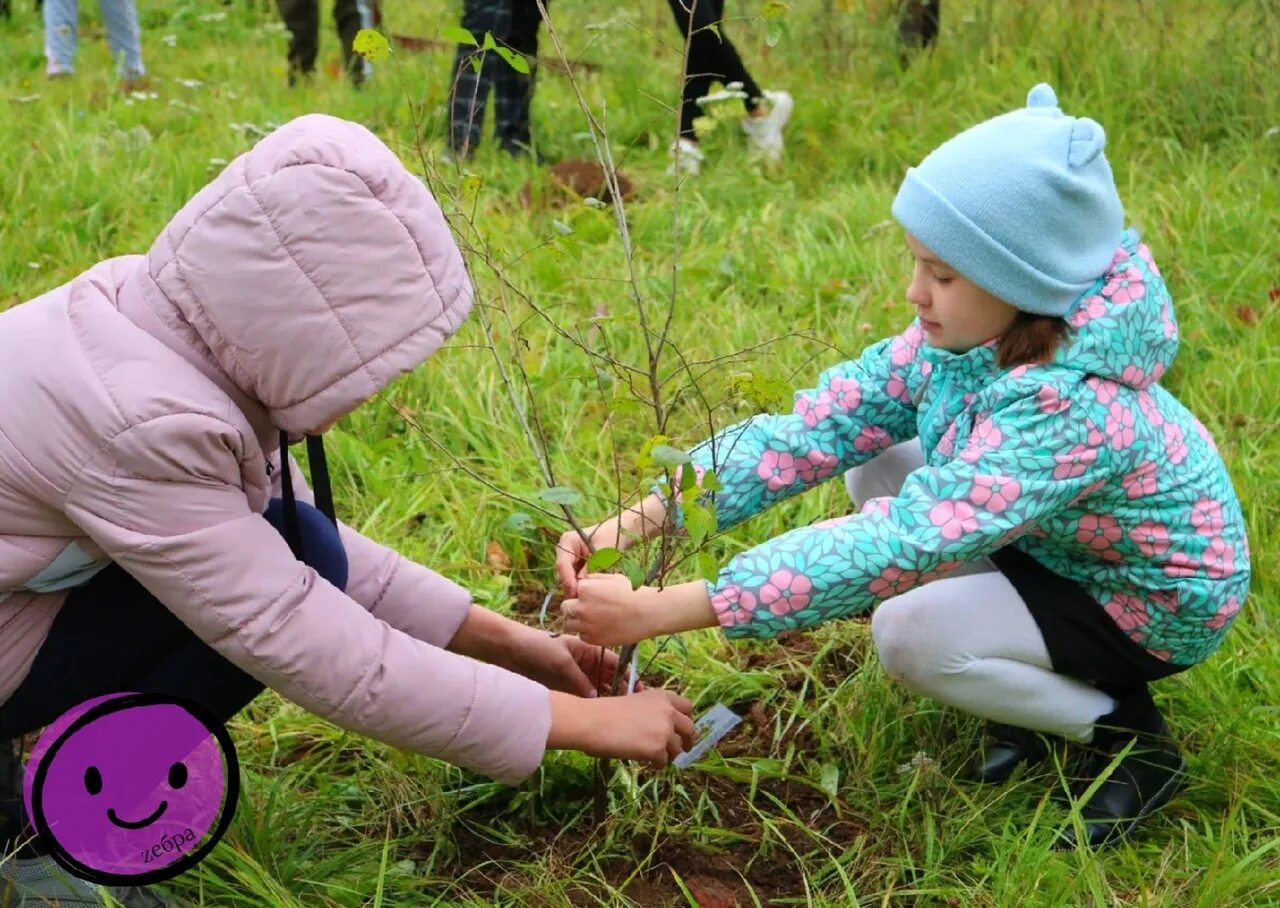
[292, 534]
[320, 477]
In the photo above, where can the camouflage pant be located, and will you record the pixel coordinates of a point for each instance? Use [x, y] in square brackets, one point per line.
[513, 23]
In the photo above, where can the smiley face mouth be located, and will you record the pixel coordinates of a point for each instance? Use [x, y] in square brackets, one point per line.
[137, 824]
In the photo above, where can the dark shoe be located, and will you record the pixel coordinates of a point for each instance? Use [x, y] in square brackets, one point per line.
[1142, 782]
[1007, 747]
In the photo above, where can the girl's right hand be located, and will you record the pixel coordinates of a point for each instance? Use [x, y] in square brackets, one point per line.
[572, 552]
[652, 726]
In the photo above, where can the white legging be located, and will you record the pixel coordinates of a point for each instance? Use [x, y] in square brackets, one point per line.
[968, 640]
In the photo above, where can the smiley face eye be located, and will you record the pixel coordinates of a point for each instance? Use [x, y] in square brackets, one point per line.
[93, 780]
[177, 775]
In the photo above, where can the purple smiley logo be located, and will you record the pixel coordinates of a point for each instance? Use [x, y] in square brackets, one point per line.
[132, 788]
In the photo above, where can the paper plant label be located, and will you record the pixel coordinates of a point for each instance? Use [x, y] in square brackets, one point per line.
[711, 726]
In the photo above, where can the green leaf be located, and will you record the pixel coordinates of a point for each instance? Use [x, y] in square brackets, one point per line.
[602, 560]
[774, 9]
[708, 567]
[711, 482]
[700, 521]
[667, 456]
[518, 522]
[561, 227]
[633, 572]
[829, 781]
[477, 64]
[644, 460]
[773, 31]
[459, 36]
[562, 495]
[371, 45]
[516, 61]
[489, 42]
[688, 483]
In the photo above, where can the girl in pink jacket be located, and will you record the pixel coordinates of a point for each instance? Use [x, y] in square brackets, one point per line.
[144, 511]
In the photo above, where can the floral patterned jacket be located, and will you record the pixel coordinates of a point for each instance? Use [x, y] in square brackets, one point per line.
[1085, 463]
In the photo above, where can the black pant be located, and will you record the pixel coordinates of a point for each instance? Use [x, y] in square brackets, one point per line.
[1085, 643]
[302, 18]
[712, 58]
[111, 635]
[514, 24]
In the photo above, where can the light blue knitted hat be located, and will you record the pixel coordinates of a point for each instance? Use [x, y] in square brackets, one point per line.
[1024, 205]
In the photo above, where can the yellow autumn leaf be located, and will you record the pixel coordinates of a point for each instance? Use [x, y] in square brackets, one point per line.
[371, 45]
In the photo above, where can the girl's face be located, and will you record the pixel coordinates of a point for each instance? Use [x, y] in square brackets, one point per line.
[956, 314]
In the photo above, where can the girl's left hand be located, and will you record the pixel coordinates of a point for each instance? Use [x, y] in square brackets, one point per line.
[608, 611]
[566, 664]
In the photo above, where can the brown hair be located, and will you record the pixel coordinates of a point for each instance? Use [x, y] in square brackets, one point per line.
[1031, 339]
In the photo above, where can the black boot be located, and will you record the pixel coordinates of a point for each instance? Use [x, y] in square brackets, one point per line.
[1006, 748]
[1144, 780]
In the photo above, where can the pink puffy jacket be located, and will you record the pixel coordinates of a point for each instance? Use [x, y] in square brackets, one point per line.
[141, 407]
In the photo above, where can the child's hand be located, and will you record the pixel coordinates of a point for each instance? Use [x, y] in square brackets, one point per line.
[608, 612]
[572, 552]
[654, 726]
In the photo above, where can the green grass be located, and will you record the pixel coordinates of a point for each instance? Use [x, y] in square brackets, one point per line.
[839, 790]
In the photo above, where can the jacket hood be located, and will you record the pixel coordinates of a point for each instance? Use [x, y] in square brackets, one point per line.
[313, 271]
[1123, 327]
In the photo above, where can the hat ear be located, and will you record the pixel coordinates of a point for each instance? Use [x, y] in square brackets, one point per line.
[1087, 141]
[1042, 96]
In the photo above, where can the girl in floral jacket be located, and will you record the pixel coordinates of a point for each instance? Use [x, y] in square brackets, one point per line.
[1043, 529]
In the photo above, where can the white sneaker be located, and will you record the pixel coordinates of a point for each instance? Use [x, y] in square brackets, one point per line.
[764, 134]
[686, 158]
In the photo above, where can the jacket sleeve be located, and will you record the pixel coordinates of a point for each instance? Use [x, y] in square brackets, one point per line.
[406, 595]
[858, 409]
[164, 501]
[1020, 466]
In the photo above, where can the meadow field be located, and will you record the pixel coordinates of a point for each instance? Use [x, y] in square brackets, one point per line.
[724, 292]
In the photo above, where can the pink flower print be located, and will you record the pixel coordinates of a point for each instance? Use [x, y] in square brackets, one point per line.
[896, 388]
[1175, 443]
[846, 394]
[987, 434]
[1074, 463]
[1147, 404]
[1180, 564]
[813, 409]
[777, 469]
[1100, 532]
[1151, 538]
[1157, 372]
[1223, 615]
[1219, 558]
[1144, 253]
[1120, 427]
[1134, 377]
[816, 466]
[1106, 390]
[1121, 256]
[1095, 438]
[947, 443]
[1050, 401]
[1125, 287]
[1167, 600]
[953, 518]
[1086, 311]
[1170, 329]
[833, 522]
[893, 582]
[926, 369]
[1206, 517]
[995, 493]
[1127, 611]
[786, 592]
[872, 438]
[1141, 482]
[905, 346]
[876, 506]
[734, 605]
